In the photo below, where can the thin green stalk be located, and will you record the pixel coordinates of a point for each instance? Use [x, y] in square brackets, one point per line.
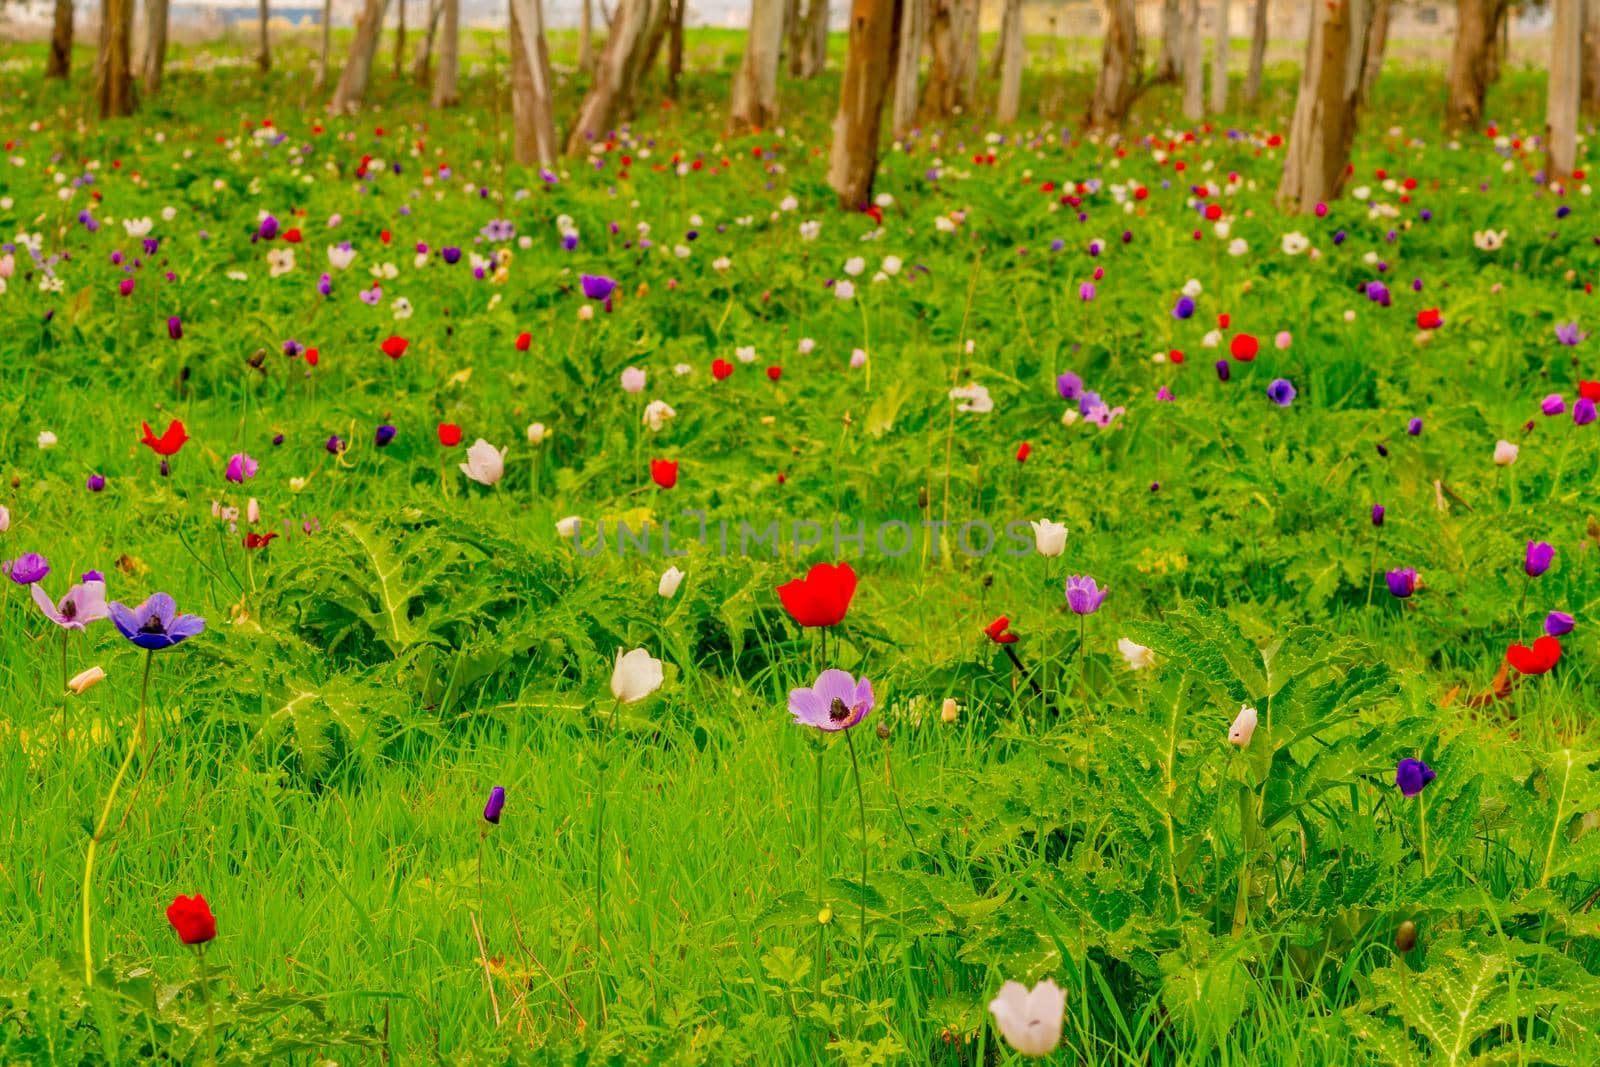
[822, 874]
[211, 1009]
[1422, 829]
[861, 803]
[599, 862]
[105, 818]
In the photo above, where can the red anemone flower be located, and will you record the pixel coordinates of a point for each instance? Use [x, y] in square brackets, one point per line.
[449, 434]
[1022, 452]
[192, 918]
[1429, 319]
[999, 631]
[822, 597]
[664, 472]
[1536, 660]
[255, 540]
[720, 369]
[524, 341]
[395, 347]
[1244, 347]
[168, 443]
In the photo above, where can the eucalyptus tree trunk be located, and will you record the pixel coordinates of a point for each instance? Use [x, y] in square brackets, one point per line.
[755, 85]
[263, 37]
[1472, 60]
[155, 45]
[1589, 92]
[1013, 56]
[113, 84]
[1258, 51]
[908, 66]
[321, 81]
[1194, 65]
[808, 38]
[352, 87]
[422, 63]
[60, 63]
[675, 45]
[1169, 66]
[1327, 109]
[399, 40]
[1219, 60]
[1561, 106]
[448, 72]
[586, 36]
[531, 112]
[952, 40]
[635, 32]
[1377, 45]
[1119, 66]
[869, 68]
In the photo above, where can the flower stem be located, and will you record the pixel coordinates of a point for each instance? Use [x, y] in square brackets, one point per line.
[105, 818]
[1422, 829]
[861, 803]
[599, 862]
[205, 997]
[64, 690]
[822, 875]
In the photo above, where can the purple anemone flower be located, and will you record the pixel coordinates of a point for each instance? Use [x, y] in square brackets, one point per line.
[384, 435]
[1569, 334]
[1069, 386]
[1281, 392]
[1583, 411]
[28, 568]
[268, 229]
[1556, 624]
[1414, 427]
[497, 804]
[1184, 307]
[1402, 582]
[1377, 514]
[334, 444]
[836, 702]
[241, 468]
[175, 328]
[451, 255]
[1554, 404]
[155, 624]
[1411, 775]
[1224, 372]
[83, 604]
[1083, 595]
[1539, 556]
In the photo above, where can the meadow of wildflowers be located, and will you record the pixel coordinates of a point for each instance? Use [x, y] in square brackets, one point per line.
[634, 611]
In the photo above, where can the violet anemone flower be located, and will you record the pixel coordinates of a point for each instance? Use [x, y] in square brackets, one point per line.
[155, 624]
[1538, 558]
[83, 604]
[497, 803]
[1402, 582]
[598, 287]
[1569, 334]
[836, 702]
[1377, 514]
[1556, 624]
[1083, 595]
[1583, 411]
[240, 468]
[1069, 386]
[1411, 775]
[1281, 392]
[28, 568]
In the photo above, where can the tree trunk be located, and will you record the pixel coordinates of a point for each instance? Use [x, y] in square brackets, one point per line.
[1590, 62]
[1194, 65]
[1119, 66]
[1258, 51]
[997, 61]
[60, 64]
[399, 41]
[1013, 56]
[816, 54]
[1219, 60]
[1561, 106]
[869, 67]
[586, 36]
[1470, 60]
[755, 85]
[263, 38]
[1169, 66]
[908, 65]
[422, 64]
[952, 72]
[1377, 45]
[447, 74]
[352, 87]
[635, 29]
[321, 81]
[1327, 108]
[531, 113]
[679, 11]
[113, 88]
[155, 45]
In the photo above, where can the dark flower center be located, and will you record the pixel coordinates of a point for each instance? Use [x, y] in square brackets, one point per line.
[69, 608]
[154, 626]
[838, 711]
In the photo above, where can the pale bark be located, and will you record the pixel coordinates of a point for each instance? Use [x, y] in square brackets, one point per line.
[1119, 66]
[1013, 56]
[808, 38]
[1377, 46]
[447, 74]
[155, 46]
[399, 40]
[422, 62]
[755, 84]
[352, 87]
[1258, 51]
[1327, 109]
[908, 66]
[113, 85]
[263, 37]
[321, 81]
[1589, 91]
[531, 112]
[586, 36]
[1472, 59]
[1219, 60]
[1169, 67]
[1194, 65]
[1561, 105]
[869, 67]
[60, 62]
[675, 19]
[952, 74]
[635, 31]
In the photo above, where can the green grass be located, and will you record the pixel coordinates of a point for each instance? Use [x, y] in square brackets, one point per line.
[319, 758]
